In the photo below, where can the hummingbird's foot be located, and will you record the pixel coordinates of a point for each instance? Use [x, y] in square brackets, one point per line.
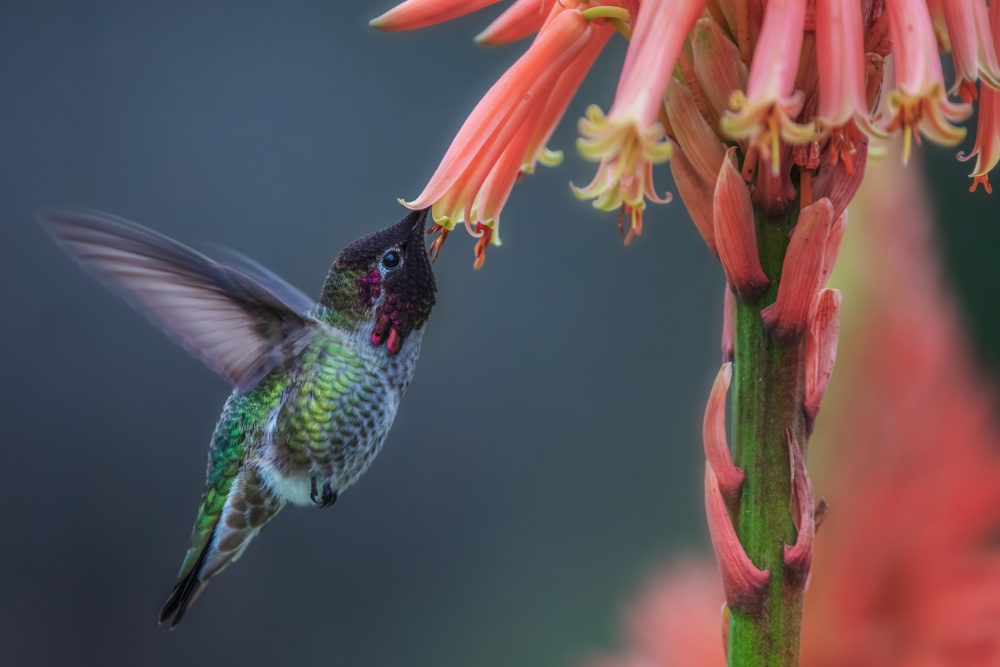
[328, 498]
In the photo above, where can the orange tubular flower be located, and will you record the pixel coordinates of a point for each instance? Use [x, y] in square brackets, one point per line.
[563, 92]
[919, 100]
[629, 140]
[492, 126]
[521, 19]
[414, 14]
[764, 113]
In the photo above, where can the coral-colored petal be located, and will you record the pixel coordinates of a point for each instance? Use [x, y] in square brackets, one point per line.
[562, 93]
[414, 14]
[546, 55]
[521, 19]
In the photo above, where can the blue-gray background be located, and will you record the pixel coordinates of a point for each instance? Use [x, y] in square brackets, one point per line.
[547, 455]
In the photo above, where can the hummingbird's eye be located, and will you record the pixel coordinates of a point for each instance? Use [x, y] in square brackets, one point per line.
[391, 259]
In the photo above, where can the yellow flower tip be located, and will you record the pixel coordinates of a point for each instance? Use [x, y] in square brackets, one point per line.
[930, 113]
[378, 23]
[765, 123]
[442, 218]
[550, 158]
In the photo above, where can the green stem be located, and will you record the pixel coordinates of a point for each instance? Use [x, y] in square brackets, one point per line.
[769, 377]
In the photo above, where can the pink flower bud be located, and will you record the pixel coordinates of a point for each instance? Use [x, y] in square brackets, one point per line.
[742, 582]
[697, 196]
[833, 246]
[717, 65]
[801, 272]
[821, 350]
[798, 557]
[729, 477]
[701, 146]
[735, 233]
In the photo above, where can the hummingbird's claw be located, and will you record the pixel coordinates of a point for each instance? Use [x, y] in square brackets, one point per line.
[328, 498]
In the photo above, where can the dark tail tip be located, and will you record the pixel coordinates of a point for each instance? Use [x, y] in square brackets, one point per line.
[185, 592]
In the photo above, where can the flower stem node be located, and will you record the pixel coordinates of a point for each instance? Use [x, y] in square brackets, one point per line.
[743, 583]
[735, 234]
[801, 272]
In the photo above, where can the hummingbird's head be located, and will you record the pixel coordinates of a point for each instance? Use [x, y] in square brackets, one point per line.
[384, 282]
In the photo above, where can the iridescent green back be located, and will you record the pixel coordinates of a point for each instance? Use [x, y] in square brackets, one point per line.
[241, 426]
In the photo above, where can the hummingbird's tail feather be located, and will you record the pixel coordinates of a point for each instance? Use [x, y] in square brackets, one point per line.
[185, 592]
[221, 534]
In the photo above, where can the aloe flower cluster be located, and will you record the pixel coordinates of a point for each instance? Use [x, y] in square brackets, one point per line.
[764, 110]
[791, 84]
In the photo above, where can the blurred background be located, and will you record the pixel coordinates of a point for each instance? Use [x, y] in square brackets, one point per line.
[547, 455]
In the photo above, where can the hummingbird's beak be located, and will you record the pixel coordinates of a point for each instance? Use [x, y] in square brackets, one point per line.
[417, 221]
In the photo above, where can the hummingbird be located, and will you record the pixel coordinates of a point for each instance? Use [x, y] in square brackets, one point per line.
[315, 385]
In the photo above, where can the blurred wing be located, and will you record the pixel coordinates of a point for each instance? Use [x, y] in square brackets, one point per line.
[238, 327]
[296, 299]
